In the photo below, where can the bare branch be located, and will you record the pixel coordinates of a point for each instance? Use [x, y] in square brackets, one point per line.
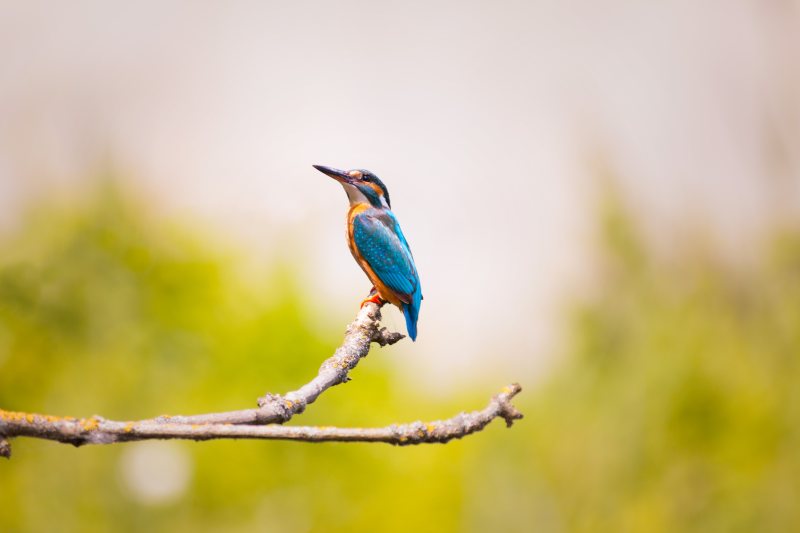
[263, 422]
[97, 430]
[276, 408]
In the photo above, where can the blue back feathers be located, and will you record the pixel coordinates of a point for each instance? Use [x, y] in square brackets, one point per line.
[383, 246]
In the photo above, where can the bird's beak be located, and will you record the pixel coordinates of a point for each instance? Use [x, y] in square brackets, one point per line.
[339, 175]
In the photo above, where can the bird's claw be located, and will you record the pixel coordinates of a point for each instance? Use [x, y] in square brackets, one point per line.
[374, 298]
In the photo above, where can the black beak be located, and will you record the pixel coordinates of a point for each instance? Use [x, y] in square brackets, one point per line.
[339, 175]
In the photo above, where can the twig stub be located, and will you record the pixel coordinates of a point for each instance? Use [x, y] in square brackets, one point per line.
[5, 448]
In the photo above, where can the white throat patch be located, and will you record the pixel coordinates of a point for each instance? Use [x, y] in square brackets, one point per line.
[354, 195]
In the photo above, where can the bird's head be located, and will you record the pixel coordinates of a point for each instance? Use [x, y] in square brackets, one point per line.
[361, 186]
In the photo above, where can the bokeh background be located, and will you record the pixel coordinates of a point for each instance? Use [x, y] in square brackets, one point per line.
[602, 199]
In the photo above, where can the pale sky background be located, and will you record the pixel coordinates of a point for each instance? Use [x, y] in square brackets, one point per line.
[484, 119]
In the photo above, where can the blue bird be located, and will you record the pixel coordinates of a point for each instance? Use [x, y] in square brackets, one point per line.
[378, 245]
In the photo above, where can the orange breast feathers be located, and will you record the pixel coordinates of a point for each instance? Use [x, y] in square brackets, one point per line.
[385, 292]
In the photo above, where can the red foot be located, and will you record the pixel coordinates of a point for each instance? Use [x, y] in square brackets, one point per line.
[375, 298]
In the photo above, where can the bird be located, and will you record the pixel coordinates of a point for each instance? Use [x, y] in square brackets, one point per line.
[378, 244]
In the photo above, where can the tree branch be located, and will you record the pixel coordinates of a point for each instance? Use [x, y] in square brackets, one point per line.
[97, 430]
[276, 408]
[261, 422]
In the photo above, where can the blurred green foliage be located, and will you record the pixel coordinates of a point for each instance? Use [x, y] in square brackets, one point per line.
[676, 408]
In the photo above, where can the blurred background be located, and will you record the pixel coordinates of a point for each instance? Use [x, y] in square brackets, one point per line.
[602, 199]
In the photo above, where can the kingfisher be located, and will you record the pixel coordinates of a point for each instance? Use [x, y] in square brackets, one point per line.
[378, 245]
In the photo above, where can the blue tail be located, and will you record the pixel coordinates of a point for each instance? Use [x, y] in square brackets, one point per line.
[411, 312]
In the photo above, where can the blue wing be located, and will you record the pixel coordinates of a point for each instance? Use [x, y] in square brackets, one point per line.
[381, 243]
